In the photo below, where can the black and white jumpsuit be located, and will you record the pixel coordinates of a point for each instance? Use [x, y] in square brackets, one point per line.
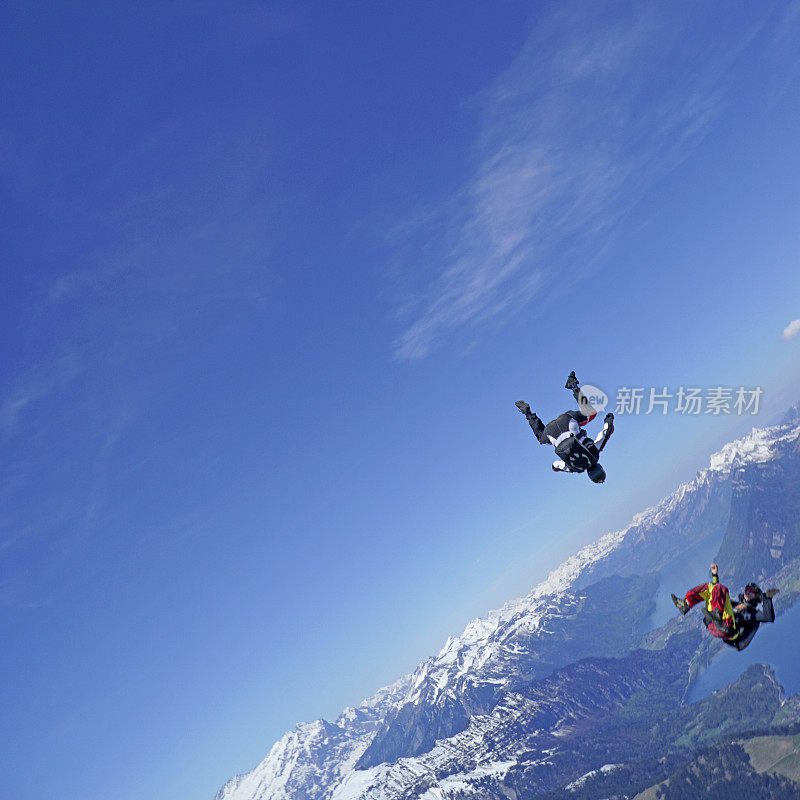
[577, 451]
[748, 620]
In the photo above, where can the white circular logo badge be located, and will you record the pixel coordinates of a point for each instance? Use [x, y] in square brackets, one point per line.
[592, 398]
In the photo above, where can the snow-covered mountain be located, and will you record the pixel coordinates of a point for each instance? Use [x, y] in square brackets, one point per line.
[315, 754]
[461, 724]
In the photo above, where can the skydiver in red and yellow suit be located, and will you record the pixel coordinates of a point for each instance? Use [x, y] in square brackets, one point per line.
[718, 614]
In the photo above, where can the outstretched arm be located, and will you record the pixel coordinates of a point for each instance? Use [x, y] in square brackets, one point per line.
[601, 440]
[766, 613]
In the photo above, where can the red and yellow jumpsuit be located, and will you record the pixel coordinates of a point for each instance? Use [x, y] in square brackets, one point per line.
[718, 616]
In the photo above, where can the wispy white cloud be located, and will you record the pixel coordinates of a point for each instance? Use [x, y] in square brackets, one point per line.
[791, 330]
[35, 385]
[589, 114]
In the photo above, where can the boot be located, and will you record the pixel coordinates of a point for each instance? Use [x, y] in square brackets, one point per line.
[680, 604]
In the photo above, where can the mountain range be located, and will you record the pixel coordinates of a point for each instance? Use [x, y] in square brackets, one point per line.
[580, 688]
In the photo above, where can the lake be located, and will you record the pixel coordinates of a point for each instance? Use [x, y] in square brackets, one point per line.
[777, 645]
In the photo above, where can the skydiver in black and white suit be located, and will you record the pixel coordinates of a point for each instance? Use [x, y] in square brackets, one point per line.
[576, 450]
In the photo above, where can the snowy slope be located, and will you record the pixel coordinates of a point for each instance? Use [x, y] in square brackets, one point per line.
[315, 754]
[436, 707]
[528, 738]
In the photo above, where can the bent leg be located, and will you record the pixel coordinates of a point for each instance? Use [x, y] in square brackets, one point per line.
[695, 596]
[586, 409]
[537, 426]
[719, 632]
[745, 637]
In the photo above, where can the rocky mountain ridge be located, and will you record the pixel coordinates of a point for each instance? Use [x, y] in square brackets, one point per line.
[483, 683]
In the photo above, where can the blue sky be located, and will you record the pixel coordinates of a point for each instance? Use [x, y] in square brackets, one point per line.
[274, 274]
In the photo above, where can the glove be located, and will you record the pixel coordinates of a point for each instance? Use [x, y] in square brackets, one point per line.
[572, 381]
[771, 593]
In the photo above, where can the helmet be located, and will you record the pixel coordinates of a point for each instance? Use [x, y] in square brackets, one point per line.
[596, 474]
[752, 592]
